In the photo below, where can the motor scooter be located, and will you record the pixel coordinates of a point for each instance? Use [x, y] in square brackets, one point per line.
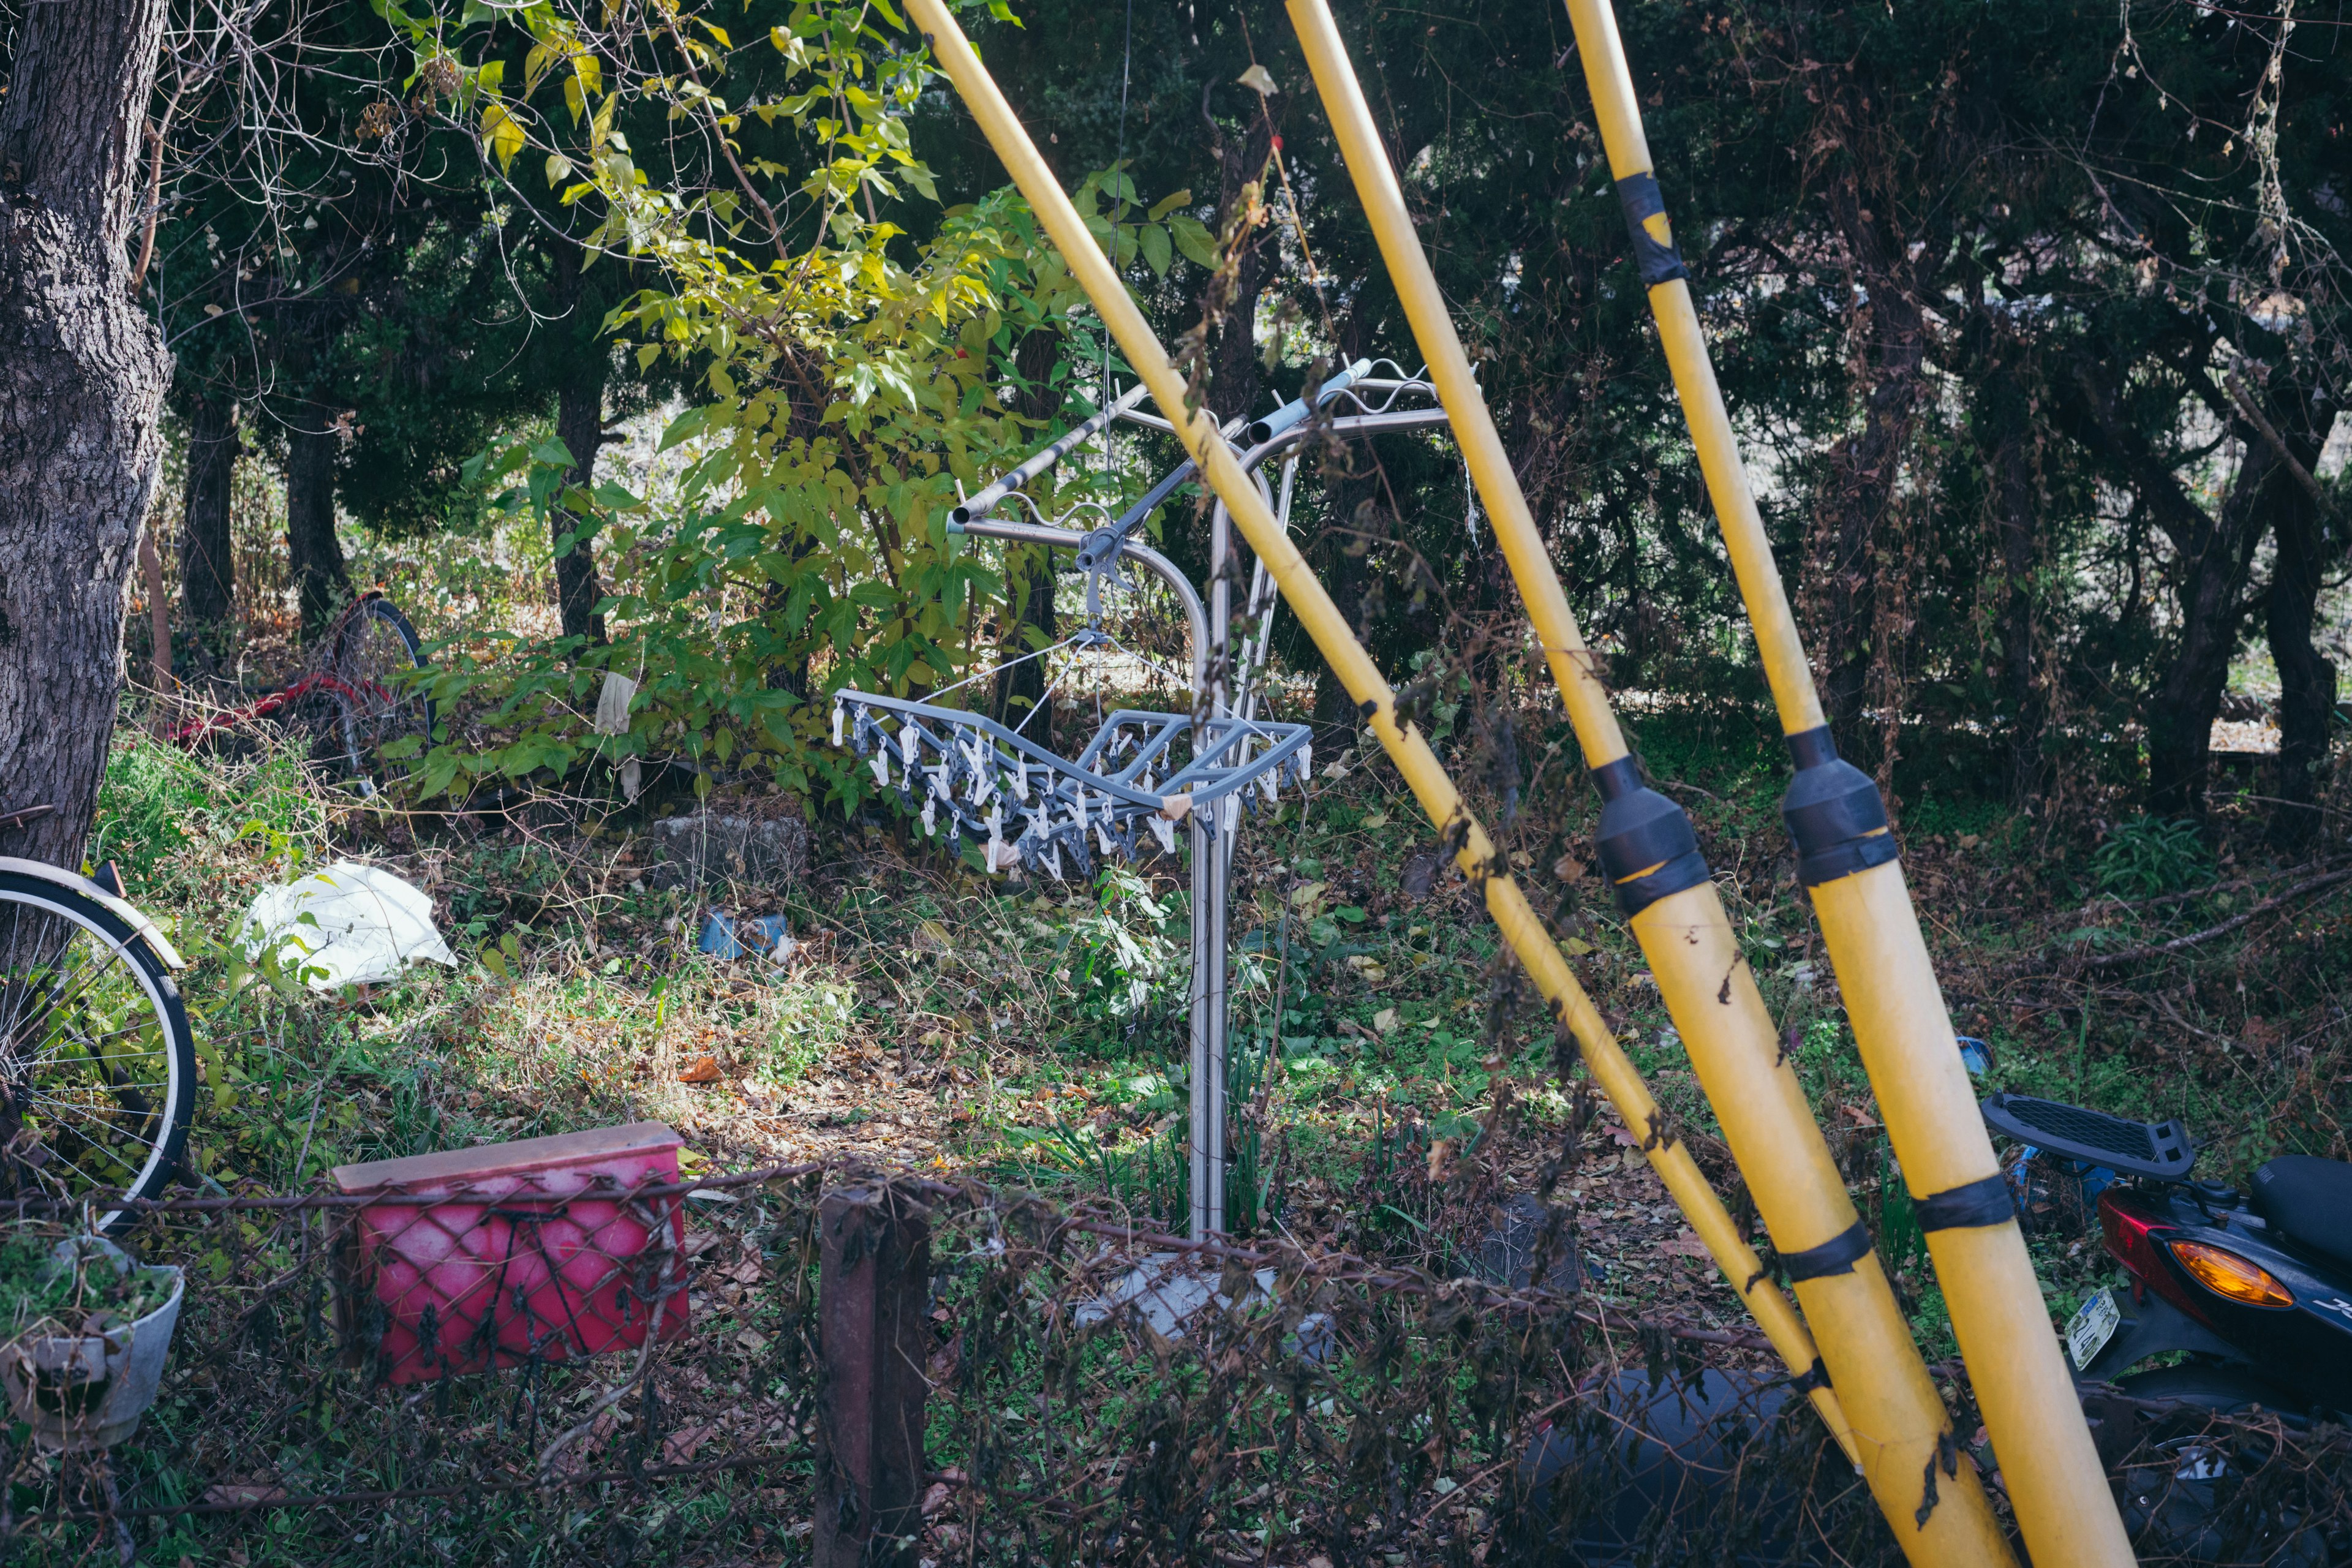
[2255, 1287]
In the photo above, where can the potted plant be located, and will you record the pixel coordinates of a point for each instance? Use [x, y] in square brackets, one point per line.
[86, 1334]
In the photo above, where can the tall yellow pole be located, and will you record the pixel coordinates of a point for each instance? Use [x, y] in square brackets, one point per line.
[1847, 856]
[1661, 882]
[1475, 852]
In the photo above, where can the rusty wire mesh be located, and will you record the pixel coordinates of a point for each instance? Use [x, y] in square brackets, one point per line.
[635, 1375]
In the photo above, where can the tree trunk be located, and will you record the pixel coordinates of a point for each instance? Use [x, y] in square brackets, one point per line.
[1344, 564]
[580, 425]
[323, 586]
[2306, 677]
[82, 376]
[2213, 553]
[1862, 468]
[2187, 697]
[1242, 167]
[207, 571]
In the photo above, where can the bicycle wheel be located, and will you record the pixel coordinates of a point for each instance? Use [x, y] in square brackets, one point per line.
[97, 1066]
[376, 658]
[321, 722]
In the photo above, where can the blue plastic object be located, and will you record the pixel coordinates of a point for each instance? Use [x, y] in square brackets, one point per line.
[1975, 1055]
[769, 937]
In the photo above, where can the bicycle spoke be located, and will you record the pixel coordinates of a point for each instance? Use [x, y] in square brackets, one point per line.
[89, 1068]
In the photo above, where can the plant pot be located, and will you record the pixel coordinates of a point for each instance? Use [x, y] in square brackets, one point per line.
[79, 1392]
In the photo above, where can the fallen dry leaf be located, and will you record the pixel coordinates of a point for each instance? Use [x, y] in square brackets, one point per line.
[1686, 1245]
[679, 1448]
[701, 1069]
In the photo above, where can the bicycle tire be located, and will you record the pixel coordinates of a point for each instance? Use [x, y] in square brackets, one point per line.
[59, 1119]
[319, 717]
[375, 644]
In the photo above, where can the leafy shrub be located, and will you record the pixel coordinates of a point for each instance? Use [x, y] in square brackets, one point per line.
[1122, 962]
[2150, 855]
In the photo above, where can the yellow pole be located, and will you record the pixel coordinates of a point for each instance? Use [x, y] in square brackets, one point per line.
[1652, 856]
[1847, 856]
[1475, 853]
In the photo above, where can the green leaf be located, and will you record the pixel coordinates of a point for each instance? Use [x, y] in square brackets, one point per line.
[686, 426]
[1166, 204]
[1154, 240]
[1192, 237]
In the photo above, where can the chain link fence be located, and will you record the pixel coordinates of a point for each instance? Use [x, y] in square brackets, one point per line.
[793, 1363]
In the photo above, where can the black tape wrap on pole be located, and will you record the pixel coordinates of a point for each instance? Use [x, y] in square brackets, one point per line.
[1837, 1255]
[1835, 815]
[1647, 848]
[1639, 196]
[1989, 1201]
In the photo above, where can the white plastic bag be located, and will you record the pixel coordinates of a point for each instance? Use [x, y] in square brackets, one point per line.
[365, 926]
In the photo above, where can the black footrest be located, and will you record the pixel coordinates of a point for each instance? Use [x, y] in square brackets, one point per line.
[2161, 1150]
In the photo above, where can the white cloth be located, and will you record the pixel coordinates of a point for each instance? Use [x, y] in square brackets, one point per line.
[364, 925]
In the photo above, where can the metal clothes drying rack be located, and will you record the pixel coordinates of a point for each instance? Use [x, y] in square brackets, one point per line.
[1143, 772]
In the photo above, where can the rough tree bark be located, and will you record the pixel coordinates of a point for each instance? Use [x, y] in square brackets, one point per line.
[322, 584]
[207, 571]
[82, 376]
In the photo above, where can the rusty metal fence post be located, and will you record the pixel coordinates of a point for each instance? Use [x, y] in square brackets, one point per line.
[873, 1300]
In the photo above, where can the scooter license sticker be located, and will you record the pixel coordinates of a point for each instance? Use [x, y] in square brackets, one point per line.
[2093, 1325]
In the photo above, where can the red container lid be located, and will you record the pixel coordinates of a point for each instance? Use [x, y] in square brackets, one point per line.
[457, 1168]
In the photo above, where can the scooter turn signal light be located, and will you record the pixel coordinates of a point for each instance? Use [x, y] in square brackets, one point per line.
[2227, 1274]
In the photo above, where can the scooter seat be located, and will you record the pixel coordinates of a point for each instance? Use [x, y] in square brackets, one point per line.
[2310, 1199]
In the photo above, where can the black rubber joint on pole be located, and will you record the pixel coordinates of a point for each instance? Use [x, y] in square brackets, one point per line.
[1639, 195]
[1835, 815]
[1986, 1202]
[1837, 1255]
[1647, 847]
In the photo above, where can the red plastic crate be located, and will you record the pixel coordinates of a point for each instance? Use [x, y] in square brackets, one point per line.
[537, 1248]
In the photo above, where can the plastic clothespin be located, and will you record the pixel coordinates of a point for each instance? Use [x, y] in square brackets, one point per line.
[838, 714]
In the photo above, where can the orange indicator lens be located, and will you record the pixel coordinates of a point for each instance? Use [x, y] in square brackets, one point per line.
[2227, 1274]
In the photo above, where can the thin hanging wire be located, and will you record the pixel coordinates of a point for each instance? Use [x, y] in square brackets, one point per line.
[1118, 211]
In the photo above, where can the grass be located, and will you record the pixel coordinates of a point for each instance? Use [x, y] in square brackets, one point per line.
[1036, 1035]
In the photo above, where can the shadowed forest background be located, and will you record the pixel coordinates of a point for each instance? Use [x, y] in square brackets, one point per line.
[2032, 322]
